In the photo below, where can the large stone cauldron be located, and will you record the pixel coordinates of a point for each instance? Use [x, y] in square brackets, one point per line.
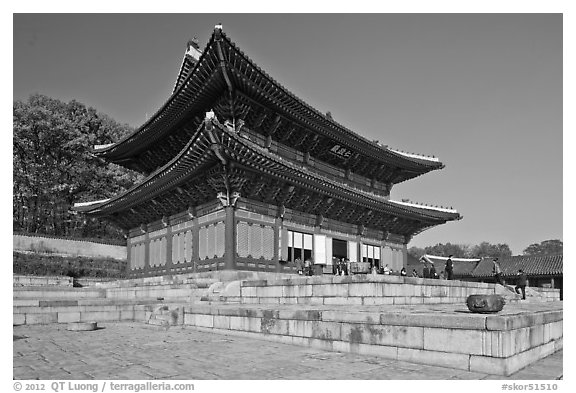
[485, 304]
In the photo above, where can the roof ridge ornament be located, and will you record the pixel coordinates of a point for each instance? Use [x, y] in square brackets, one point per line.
[193, 49]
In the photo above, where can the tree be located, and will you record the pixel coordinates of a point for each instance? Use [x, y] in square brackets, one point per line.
[416, 252]
[486, 249]
[53, 166]
[457, 250]
[546, 247]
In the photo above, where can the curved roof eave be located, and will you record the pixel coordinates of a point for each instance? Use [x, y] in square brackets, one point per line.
[107, 149]
[168, 174]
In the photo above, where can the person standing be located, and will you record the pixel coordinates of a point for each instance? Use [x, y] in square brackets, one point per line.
[386, 269]
[521, 284]
[497, 271]
[299, 266]
[307, 267]
[433, 273]
[449, 268]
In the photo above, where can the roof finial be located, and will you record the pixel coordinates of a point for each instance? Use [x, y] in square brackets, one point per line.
[193, 43]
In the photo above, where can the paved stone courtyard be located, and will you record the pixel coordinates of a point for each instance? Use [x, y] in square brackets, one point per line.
[138, 351]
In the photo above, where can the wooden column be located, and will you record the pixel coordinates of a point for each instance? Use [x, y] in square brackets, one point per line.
[230, 238]
[168, 235]
[128, 255]
[195, 244]
[277, 226]
[146, 252]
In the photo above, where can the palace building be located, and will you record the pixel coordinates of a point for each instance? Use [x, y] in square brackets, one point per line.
[243, 175]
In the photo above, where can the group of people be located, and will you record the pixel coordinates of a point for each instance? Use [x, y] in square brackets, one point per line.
[306, 268]
[341, 267]
[430, 272]
[521, 281]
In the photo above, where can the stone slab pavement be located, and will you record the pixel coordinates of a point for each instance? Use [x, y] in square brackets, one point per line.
[130, 350]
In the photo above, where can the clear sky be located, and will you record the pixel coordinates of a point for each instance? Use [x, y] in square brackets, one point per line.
[483, 92]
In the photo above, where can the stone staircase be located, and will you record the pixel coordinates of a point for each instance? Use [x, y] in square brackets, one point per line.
[110, 302]
[532, 295]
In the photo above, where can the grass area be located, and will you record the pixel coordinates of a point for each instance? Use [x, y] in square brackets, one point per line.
[77, 267]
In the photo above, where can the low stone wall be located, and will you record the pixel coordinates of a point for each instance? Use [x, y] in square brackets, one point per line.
[494, 344]
[21, 281]
[551, 294]
[35, 312]
[56, 293]
[157, 291]
[68, 247]
[355, 290]
[206, 277]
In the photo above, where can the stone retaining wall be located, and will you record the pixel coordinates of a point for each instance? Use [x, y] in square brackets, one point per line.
[355, 290]
[68, 247]
[489, 344]
[21, 281]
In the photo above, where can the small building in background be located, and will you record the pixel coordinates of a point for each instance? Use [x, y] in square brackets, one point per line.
[544, 271]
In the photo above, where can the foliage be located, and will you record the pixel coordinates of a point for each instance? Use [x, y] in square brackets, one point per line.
[416, 252]
[54, 265]
[486, 249]
[53, 167]
[457, 250]
[483, 249]
[546, 247]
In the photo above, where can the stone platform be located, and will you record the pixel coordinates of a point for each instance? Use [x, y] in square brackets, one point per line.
[440, 335]
[134, 351]
[411, 319]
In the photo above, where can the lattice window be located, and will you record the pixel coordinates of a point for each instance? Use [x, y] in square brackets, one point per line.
[256, 241]
[140, 252]
[175, 248]
[202, 242]
[268, 242]
[220, 241]
[152, 253]
[132, 257]
[242, 242]
[211, 241]
[162, 247]
[187, 246]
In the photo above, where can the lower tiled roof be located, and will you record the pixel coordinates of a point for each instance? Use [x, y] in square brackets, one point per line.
[531, 265]
[540, 265]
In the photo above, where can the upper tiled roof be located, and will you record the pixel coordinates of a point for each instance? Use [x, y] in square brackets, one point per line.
[531, 265]
[199, 85]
